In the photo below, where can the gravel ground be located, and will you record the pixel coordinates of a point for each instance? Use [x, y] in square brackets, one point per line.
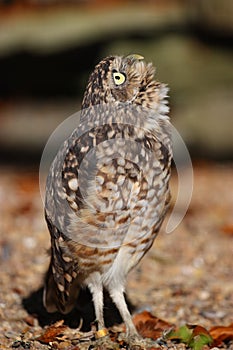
[186, 278]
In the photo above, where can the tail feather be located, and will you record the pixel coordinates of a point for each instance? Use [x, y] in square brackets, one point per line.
[56, 298]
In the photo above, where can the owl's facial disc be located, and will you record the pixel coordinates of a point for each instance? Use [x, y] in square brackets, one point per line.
[127, 75]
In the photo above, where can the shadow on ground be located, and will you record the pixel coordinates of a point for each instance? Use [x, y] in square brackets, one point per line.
[83, 313]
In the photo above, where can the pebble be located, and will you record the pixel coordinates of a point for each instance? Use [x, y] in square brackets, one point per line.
[203, 295]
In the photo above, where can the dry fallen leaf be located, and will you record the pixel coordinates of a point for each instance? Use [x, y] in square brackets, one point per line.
[197, 330]
[150, 326]
[221, 334]
[228, 229]
[52, 332]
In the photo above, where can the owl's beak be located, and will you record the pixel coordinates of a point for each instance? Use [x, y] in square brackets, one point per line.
[135, 57]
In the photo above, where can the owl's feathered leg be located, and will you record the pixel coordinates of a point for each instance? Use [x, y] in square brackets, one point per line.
[117, 295]
[132, 337]
[95, 285]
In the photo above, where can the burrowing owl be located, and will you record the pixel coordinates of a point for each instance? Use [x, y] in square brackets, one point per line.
[108, 188]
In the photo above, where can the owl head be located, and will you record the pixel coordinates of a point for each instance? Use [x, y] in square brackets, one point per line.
[126, 79]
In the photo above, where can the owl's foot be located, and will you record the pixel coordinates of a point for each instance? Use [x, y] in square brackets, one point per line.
[136, 342]
[103, 341]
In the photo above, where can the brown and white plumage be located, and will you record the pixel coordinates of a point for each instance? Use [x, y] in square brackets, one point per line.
[108, 188]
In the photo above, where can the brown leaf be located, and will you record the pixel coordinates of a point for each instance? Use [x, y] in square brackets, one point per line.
[228, 229]
[221, 334]
[52, 332]
[197, 330]
[150, 326]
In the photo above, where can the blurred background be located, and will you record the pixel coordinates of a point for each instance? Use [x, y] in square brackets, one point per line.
[49, 47]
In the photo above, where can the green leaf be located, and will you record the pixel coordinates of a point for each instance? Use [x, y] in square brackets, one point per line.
[187, 336]
[184, 334]
[199, 341]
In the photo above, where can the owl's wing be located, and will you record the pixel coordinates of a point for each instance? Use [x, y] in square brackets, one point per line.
[61, 283]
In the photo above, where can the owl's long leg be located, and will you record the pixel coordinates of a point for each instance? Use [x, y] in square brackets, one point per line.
[132, 336]
[96, 287]
[117, 295]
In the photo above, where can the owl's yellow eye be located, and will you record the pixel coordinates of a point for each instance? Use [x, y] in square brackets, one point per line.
[119, 78]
